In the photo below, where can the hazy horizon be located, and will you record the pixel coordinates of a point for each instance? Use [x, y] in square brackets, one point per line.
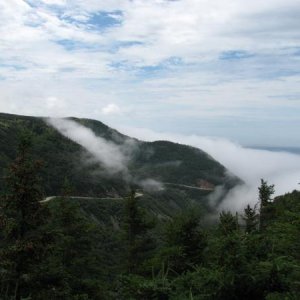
[285, 148]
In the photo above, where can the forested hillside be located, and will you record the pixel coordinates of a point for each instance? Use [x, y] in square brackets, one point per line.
[172, 165]
[67, 248]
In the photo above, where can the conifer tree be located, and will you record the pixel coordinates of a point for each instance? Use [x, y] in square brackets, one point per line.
[23, 241]
[265, 193]
[185, 241]
[251, 219]
[228, 223]
[76, 248]
[138, 240]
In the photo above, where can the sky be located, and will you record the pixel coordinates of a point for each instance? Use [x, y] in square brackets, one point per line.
[213, 68]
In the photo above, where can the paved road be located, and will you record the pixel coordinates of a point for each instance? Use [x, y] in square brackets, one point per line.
[188, 186]
[137, 195]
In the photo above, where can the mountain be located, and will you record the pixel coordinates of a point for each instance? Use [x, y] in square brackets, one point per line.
[189, 175]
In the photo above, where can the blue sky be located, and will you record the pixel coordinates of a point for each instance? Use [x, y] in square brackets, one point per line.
[211, 68]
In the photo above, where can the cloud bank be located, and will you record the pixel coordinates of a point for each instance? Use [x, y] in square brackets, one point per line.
[279, 168]
[111, 156]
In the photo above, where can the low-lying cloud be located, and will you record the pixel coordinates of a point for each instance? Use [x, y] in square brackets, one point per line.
[151, 185]
[279, 168]
[113, 158]
[110, 155]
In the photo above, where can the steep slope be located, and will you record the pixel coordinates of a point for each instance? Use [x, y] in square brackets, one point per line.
[188, 174]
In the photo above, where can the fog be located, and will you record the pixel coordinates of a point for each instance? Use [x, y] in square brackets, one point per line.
[151, 185]
[112, 157]
[279, 168]
[250, 165]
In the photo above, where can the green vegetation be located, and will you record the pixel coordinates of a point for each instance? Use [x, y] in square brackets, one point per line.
[162, 161]
[23, 220]
[232, 260]
[135, 248]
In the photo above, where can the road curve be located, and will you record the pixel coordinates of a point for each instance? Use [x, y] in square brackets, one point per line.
[47, 199]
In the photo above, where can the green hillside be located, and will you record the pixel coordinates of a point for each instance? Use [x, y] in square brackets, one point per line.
[98, 240]
[163, 161]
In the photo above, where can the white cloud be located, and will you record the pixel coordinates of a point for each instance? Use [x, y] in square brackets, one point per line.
[151, 185]
[109, 154]
[279, 168]
[55, 2]
[114, 158]
[111, 109]
[56, 107]
[52, 49]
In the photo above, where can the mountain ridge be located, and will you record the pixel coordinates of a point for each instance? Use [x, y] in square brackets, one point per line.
[161, 161]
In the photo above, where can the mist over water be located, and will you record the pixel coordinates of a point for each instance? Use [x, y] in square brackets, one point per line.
[279, 168]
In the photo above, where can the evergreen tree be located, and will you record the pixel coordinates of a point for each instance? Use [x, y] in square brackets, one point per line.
[23, 241]
[251, 219]
[265, 193]
[185, 242]
[228, 223]
[139, 242]
[76, 253]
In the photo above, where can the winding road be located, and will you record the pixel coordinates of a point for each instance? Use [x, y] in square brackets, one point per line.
[137, 195]
[188, 186]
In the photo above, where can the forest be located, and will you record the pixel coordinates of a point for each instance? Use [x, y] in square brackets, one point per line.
[56, 250]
